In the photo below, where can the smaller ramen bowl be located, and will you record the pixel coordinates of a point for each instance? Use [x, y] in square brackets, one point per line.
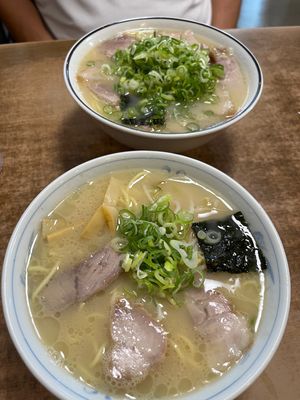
[18, 318]
[138, 138]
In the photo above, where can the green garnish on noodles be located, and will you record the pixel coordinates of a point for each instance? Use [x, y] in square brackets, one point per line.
[157, 253]
[160, 71]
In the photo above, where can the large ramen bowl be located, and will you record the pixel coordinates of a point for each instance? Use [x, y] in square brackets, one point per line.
[138, 138]
[15, 304]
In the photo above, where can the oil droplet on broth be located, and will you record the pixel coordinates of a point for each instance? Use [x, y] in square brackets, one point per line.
[160, 390]
[185, 385]
[145, 386]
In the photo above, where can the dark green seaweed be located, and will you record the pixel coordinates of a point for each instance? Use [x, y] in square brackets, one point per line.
[135, 115]
[228, 245]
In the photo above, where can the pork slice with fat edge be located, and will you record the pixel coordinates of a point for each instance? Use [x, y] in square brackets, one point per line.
[138, 343]
[80, 282]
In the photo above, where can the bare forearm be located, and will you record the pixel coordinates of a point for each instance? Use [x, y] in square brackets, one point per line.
[225, 13]
[23, 21]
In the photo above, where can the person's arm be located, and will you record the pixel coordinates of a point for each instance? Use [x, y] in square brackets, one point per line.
[225, 13]
[23, 21]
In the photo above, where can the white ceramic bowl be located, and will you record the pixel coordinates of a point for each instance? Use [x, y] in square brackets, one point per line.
[139, 139]
[16, 311]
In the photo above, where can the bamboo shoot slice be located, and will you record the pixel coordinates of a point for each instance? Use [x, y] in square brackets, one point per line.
[95, 224]
[111, 215]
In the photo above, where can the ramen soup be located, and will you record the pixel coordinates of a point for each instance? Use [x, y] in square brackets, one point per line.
[130, 293]
[162, 81]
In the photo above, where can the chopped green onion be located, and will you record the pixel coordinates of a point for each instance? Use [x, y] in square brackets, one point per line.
[199, 278]
[191, 126]
[106, 69]
[201, 235]
[157, 253]
[191, 261]
[108, 109]
[119, 243]
[212, 237]
[159, 71]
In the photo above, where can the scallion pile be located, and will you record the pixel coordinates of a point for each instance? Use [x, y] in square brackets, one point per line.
[160, 71]
[157, 253]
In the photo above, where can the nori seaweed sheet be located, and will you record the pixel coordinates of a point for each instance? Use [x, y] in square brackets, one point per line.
[236, 251]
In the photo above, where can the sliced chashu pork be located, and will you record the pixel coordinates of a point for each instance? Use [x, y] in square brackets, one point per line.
[104, 92]
[233, 79]
[78, 283]
[225, 333]
[100, 84]
[120, 42]
[138, 343]
[233, 74]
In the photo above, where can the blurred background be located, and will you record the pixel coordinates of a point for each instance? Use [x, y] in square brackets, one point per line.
[255, 13]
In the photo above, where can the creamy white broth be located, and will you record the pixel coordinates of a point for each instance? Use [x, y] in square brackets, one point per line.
[78, 337]
[203, 114]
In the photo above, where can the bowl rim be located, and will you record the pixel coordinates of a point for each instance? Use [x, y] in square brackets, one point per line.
[163, 136]
[199, 165]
